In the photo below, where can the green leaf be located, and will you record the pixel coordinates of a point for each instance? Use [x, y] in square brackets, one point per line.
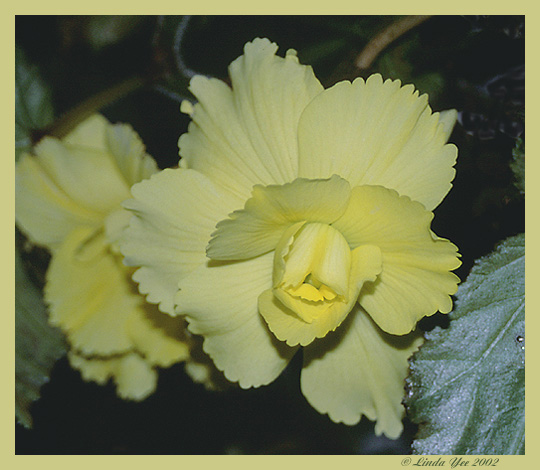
[33, 103]
[518, 165]
[467, 384]
[37, 344]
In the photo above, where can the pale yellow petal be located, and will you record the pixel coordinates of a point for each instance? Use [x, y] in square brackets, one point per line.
[79, 180]
[284, 314]
[319, 251]
[378, 134]
[90, 295]
[186, 107]
[220, 302]
[359, 370]
[175, 211]
[246, 135]
[403, 294]
[92, 370]
[119, 142]
[257, 228]
[122, 144]
[135, 379]
[88, 176]
[200, 373]
[447, 120]
[161, 339]
[90, 133]
[201, 369]
[43, 211]
[115, 223]
[128, 151]
[415, 280]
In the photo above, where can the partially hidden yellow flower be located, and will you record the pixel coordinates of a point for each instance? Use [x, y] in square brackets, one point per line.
[300, 217]
[68, 200]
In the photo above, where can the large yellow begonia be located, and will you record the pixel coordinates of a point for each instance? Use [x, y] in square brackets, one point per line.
[68, 200]
[301, 217]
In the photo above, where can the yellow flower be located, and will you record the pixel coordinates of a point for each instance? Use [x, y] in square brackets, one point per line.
[68, 200]
[301, 217]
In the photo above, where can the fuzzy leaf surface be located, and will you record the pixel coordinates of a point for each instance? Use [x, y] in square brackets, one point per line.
[467, 383]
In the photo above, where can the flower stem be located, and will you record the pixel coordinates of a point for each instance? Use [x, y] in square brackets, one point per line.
[386, 37]
[68, 121]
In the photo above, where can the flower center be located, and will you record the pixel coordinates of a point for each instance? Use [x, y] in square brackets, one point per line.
[311, 269]
[312, 289]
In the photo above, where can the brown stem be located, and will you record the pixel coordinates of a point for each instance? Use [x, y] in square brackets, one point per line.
[386, 37]
[75, 116]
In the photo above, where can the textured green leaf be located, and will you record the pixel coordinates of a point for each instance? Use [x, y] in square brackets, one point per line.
[467, 384]
[518, 165]
[33, 103]
[37, 344]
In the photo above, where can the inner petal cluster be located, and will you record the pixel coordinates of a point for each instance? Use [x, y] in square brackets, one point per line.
[311, 270]
[365, 244]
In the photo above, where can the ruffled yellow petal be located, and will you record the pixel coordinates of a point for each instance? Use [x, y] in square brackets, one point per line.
[90, 133]
[129, 153]
[90, 295]
[257, 228]
[415, 280]
[115, 224]
[200, 373]
[247, 135]
[120, 141]
[298, 320]
[161, 339]
[68, 199]
[375, 133]
[79, 180]
[92, 298]
[43, 211]
[220, 302]
[359, 370]
[175, 213]
[134, 377]
[447, 119]
[202, 370]
[88, 176]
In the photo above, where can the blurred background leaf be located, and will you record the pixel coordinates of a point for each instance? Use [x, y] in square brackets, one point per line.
[518, 165]
[33, 103]
[37, 345]
[467, 383]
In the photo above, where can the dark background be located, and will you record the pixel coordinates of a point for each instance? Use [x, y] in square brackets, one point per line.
[472, 63]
